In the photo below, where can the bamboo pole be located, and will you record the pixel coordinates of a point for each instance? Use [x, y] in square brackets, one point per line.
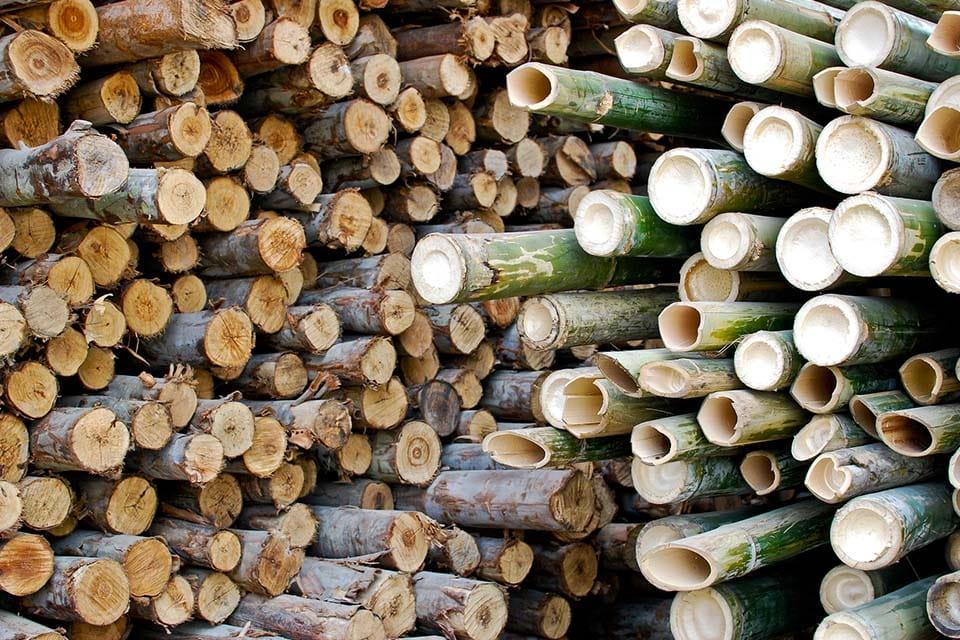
[741, 242]
[827, 389]
[930, 378]
[805, 17]
[803, 251]
[865, 409]
[704, 64]
[874, 93]
[593, 407]
[943, 257]
[837, 476]
[767, 360]
[645, 50]
[780, 143]
[664, 440]
[767, 471]
[608, 223]
[688, 378]
[945, 194]
[682, 480]
[672, 528]
[902, 612]
[843, 588]
[939, 605]
[920, 431]
[825, 433]
[736, 122]
[705, 326]
[736, 418]
[549, 447]
[622, 368]
[662, 13]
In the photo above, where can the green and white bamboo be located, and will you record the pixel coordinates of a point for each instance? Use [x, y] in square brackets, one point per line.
[704, 64]
[945, 38]
[946, 199]
[739, 548]
[767, 471]
[874, 93]
[825, 433]
[820, 389]
[767, 360]
[844, 588]
[622, 368]
[900, 614]
[702, 282]
[464, 267]
[661, 13]
[587, 96]
[931, 378]
[737, 418]
[873, 34]
[803, 251]
[864, 409]
[945, 262]
[663, 440]
[707, 326]
[947, 93]
[842, 330]
[541, 447]
[572, 319]
[736, 122]
[717, 20]
[595, 408]
[682, 480]
[856, 154]
[837, 476]
[921, 431]
[688, 377]
[691, 186]
[776, 58]
[757, 607]
[941, 605]
[645, 50]
[552, 391]
[741, 242]
[873, 235]
[672, 528]
[780, 143]
[610, 223]
[877, 530]
[935, 134]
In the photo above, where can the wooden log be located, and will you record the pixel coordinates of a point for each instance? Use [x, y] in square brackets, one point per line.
[195, 458]
[31, 121]
[570, 569]
[111, 99]
[145, 561]
[455, 552]
[409, 455]
[177, 132]
[322, 422]
[474, 610]
[199, 544]
[216, 503]
[44, 310]
[504, 560]
[268, 562]
[304, 618]
[296, 522]
[399, 539]
[275, 375]
[124, 506]
[90, 440]
[367, 360]
[312, 329]
[27, 562]
[91, 590]
[388, 271]
[173, 74]
[215, 595]
[176, 391]
[68, 276]
[43, 503]
[149, 421]
[367, 312]
[36, 66]
[362, 493]
[16, 627]
[220, 338]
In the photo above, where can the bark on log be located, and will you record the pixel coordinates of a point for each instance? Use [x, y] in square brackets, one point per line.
[397, 539]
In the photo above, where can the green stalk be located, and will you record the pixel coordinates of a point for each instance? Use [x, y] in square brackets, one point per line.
[676, 482]
[901, 614]
[610, 223]
[781, 143]
[689, 378]
[586, 96]
[622, 368]
[736, 418]
[662, 13]
[769, 471]
[843, 330]
[931, 378]
[718, 20]
[548, 447]
[738, 548]
[702, 282]
[601, 409]
[571, 319]
[941, 605]
[466, 267]
[691, 186]
[741, 241]
[865, 409]
[827, 389]
[896, 521]
[674, 438]
[874, 93]
[837, 476]
[921, 431]
[673, 528]
[828, 432]
[704, 64]
[644, 50]
[843, 588]
[706, 326]
[767, 360]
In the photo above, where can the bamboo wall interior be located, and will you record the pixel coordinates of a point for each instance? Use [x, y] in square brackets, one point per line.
[479, 319]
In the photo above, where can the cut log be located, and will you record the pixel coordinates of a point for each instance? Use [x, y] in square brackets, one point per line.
[149, 421]
[90, 440]
[177, 132]
[268, 562]
[196, 458]
[322, 422]
[16, 627]
[409, 455]
[111, 99]
[90, 590]
[305, 619]
[397, 539]
[199, 544]
[146, 561]
[217, 502]
[471, 609]
[221, 338]
[368, 361]
[124, 506]
[173, 74]
[215, 595]
[176, 391]
[362, 493]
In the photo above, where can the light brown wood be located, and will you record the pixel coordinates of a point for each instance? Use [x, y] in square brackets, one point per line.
[217, 502]
[31, 121]
[124, 506]
[92, 590]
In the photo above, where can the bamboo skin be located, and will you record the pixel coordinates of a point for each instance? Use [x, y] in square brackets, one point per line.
[842, 474]
[827, 389]
[664, 440]
[682, 480]
[865, 409]
[875, 93]
[902, 612]
[608, 223]
[706, 326]
[825, 433]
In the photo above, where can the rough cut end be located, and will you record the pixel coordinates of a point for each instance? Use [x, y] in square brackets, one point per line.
[866, 535]
[867, 35]
[228, 341]
[775, 141]
[854, 86]
[190, 128]
[803, 250]
[339, 20]
[99, 441]
[675, 568]
[485, 612]
[945, 262]
[652, 444]
[680, 326]
[760, 361]
[132, 506]
[439, 269]
[41, 65]
[217, 597]
[367, 126]
[599, 223]
[281, 242]
[26, 564]
[408, 542]
[665, 379]
[121, 97]
[937, 132]
[660, 484]
[101, 592]
[701, 614]
[827, 330]
[686, 62]
[736, 121]
[681, 186]
[640, 49]
[262, 169]
[756, 51]
[382, 80]
[101, 166]
[180, 196]
[74, 23]
[224, 550]
[824, 86]
[760, 471]
[826, 480]
[512, 449]
[708, 21]
[844, 588]
[418, 453]
[866, 235]
[853, 154]
[178, 73]
[204, 458]
[232, 424]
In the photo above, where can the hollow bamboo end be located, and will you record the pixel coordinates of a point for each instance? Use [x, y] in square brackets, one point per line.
[908, 435]
[680, 326]
[665, 379]
[617, 374]
[511, 448]
[640, 49]
[776, 141]
[673, 567]
[945, 37]
[711, 21]
[718, 418]
[843, 588]
[866, 233]
[439, 269]
[630, 8]
[827, 330]
[839, 626]
[761, 362]
[660, 484]
[686, 63]
[853, 154]
[702, 282]
[943, 605]
[600, 224]
[922, 378]
[541, 323]
[681, 187]
[866, 535]
[866, 36]
[727, 241]
[652, 444]
[736, 121]
[817, 389]
[701, 614]
[853, 87]
[582, 404]
[803, 250]
[552, 395]
[760, 471]
[810, 441]
[532, 86]
[756, 51]
[824, 86]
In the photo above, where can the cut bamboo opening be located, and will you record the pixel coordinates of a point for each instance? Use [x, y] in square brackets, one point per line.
[945, 262]
[737, 120]
[767, 360]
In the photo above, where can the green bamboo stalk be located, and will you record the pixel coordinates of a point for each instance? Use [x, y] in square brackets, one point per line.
[901, 614]
[622, 368]
[877, 530]
[921, 431]
[552, 395]
[664, 440]
[704, 64]
[943, 39]
[645, 50]
[466, 267]
[928, 9]
[934, 133]
[865, 409]
[676, 482]
[688, 378]
[706, 326]
[856, 154]
[874, 235]
[767, 360]
[571, 319]
[747, 609]
[736, 418]
[837, 476]
[738, 548]
[736, 122]
[771, 56]
[586, 96]
[702, 282]
[717, 21]
[601, 409]
[690, 186]
[872, 34]
[843, 330]
[944, 254]
[780, 143]
[820, 389]
[874, 93]
[741, 241]
[774, 470]
[610, 223]
[941, 605]
[803, 251]
[549, 447]
[946, 199]
[931, 378]
[673, 528]
[843, 588]
[661, 13]
[828, 432]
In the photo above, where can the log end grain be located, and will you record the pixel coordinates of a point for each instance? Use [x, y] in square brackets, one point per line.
[147, 308]
[131, 506]
[41, 66]
[228, 341]
[26, 564]
[148, 564]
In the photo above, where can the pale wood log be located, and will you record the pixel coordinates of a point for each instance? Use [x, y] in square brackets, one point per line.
[362, 493]
[146, 561]
[111, 99]
[177, 132]
[92, 590]
[409, 455]
[272, 245]
[570, 569]
[546, 615]
[217, 502]
[124, 506]
[268, 562]
[149, 421]
[200, 545]
[396, 539]
[32, 121]
[26, 564]
[470, 609]
[173, 74]
[176, 391]
[215, 595]
[196, 458]
[35, 65]
[220, 338]
[281, 135]
[306, 619]
[90, 440]
[15, 627]
[173, 606]
[367, 360]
